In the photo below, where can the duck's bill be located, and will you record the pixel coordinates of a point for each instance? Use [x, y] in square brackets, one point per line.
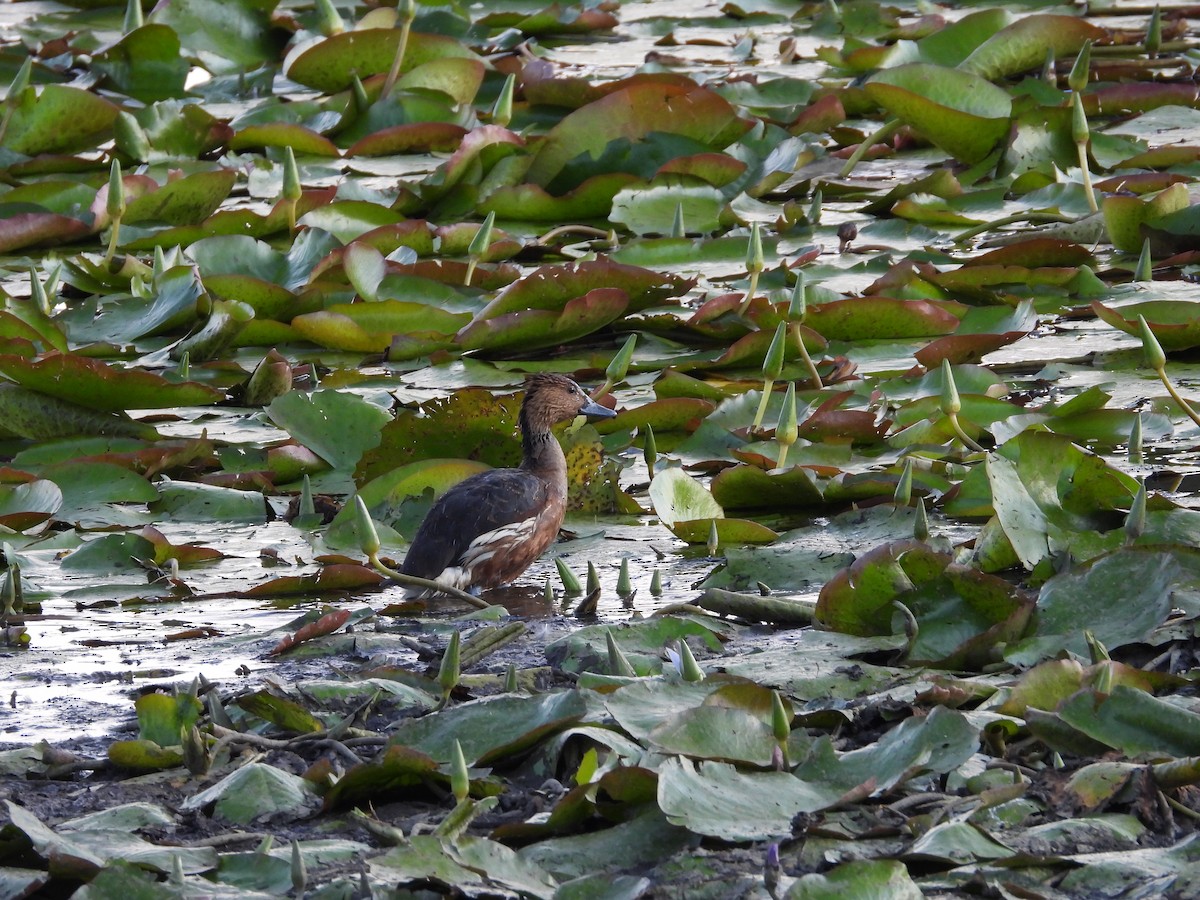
[594, 409]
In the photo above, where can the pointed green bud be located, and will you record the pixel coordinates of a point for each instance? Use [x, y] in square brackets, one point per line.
[1079, 122]
[1145, 265]
[814, 207]
[450, 668]
[921, 523]
[1078, 78]
[460, 780]
[548, 591]
[798, 305]
[1103, 684]
[291, 176]
[361, 101]
[1135, 439]
[483, 237]
[593, 578]
[754, 251]
[1154, 33]
[618, 663]
[177, 875]
[786, 431]
[307, 507]
[649, 448]
[902, 496]
[368, 537]
[115, 204]
[195, 751]
[570, 583]
[618, 366]
[773, 361]
[656, 583]
[713, 544]
[160, 263]
[329, 20]
[133, 16]
[502, 111]
[951, 402]
[216, 710]
[299, 871]
[781, 718]
[1097, 652]
[688, 667]
[130, 138]
[511, 685]
[1049, 72]
[677, 226]
[37, 292]
[184, 369]
[406, 10]
[20, 81]
[1135, 522]
[1155, 358]
[624, 583]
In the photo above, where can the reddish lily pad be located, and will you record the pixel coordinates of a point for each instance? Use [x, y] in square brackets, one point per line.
[283, 134]
[98, 385]
[31, 229]
[25, 505]
[331, 64]
[663, 415]
[327, 624]
[632, 113]
[535, 328]
[338, 577]
[876, 318]
[1176, 323]
[550, 287]
[417, 137]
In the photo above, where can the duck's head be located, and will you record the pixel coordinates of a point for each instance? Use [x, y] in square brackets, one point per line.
[552, 398]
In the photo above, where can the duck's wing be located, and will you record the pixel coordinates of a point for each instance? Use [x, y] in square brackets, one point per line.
[482, 503]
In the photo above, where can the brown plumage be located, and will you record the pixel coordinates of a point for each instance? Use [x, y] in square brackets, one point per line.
[489, 528]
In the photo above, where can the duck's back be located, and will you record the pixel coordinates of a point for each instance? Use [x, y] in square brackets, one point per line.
[487, 529]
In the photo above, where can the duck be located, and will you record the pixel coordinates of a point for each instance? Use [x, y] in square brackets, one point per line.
[490, 527]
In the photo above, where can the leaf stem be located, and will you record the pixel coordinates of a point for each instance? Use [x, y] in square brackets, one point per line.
[885, 132]
[427, 583]
[1176, 396]
[962, 435]
[1035, 218]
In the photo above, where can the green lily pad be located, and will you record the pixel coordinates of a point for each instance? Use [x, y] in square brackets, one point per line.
[961, 112]
[57, 118]
[372, 327]
[331, 63]
[338, 427]
[254, 791]
[1024, 44]
[100, 386]
[677, 497]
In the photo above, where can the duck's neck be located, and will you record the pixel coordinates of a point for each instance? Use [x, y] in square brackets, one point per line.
[541, 453]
